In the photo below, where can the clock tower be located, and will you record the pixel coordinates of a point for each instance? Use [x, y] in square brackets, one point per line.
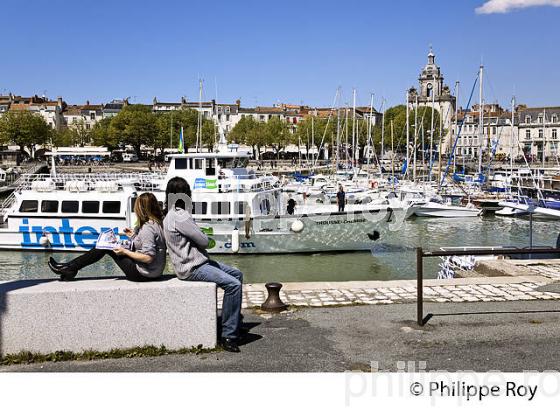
[432, 88]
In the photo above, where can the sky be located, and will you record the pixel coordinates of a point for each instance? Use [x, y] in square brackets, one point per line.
[284, 51]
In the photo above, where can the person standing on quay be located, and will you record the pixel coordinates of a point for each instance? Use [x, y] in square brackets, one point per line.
[187, 246]
[341, 198]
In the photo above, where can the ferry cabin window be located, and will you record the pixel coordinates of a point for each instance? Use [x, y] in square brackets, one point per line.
[180, 163]
[220, 208]
[49, 206]
[210, 168]
[29, 206]
[239, 207]
[111, 207]
[70, 206]
[90, 207]
[199, 208]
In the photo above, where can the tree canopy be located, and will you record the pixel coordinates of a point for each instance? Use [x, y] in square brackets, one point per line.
[100, 134]
[25, 129]
[250, 132]
[134, 125]
[277, 134]
[78, 134]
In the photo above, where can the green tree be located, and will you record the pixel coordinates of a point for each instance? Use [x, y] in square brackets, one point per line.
[101, 136]
[134, 125]
[169, 126]
[277, 135]
[250, 132]
[209, 134]
[65, 137]
[25, 129]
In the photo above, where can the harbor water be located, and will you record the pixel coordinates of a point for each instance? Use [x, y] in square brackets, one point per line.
[393, 258]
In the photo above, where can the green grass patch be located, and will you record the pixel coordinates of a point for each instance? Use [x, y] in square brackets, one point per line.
[26, 357]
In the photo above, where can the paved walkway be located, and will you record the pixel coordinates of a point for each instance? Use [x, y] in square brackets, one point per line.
[471, 336]
[323, 294]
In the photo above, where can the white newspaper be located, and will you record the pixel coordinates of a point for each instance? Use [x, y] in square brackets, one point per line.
[110, 240]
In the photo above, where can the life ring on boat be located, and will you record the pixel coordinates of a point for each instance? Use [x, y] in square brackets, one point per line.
[373, 184]
[45, 240]
[297, 226]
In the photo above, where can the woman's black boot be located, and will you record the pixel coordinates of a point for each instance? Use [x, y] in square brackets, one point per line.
[66, 271]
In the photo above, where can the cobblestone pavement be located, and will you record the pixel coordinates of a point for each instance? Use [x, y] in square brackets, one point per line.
[551, 271]
[387, 295]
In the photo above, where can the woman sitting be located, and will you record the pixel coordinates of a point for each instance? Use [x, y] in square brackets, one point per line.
[145, 261]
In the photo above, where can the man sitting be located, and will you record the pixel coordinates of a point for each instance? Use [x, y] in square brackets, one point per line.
[187, 246]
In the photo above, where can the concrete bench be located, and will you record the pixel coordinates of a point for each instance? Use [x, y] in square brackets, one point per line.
[43, 316]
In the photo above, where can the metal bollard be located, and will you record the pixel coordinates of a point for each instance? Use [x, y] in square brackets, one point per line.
[273, 303]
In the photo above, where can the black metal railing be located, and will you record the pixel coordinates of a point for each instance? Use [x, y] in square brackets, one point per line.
[421, 254]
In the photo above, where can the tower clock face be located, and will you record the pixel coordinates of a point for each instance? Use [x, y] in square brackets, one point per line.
[429, 86]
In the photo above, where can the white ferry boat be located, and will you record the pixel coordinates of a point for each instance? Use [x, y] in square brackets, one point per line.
[240, 211]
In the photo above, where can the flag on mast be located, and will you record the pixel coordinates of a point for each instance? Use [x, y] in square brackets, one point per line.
[181, 142]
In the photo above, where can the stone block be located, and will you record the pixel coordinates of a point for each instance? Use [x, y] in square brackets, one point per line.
[43, 316]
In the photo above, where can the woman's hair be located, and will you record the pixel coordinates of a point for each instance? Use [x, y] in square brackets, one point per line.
[176, 187]
[147, 209]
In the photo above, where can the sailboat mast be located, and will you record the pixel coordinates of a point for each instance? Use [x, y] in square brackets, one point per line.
[199, 122]
[407, 135]
[369, 130]
[312, 141]
[337, 136]
[354, 138]
[432, 133]
[346, 137]
[392, 156]
[512, 128]
[544, 137]
[415, 136]
[481, 121]
[423, 152]
[383, 132]
[171, 131]
[456, 125]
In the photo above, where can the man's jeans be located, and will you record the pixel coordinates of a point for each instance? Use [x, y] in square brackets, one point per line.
[230, 280]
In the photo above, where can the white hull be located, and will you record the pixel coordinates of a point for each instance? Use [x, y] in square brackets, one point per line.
[517, 210]
[511, 212]
[320, 233]
[435, 210]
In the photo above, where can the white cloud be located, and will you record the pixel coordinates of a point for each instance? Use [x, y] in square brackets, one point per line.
[505, 6]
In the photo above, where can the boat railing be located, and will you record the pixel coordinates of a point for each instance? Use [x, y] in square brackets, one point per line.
[243, 183]
[63, 181]
[5, 205]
